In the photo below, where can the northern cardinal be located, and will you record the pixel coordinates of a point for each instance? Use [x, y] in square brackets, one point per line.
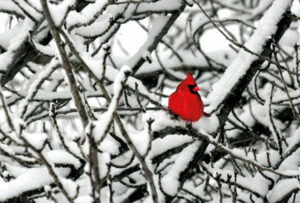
[186, 102]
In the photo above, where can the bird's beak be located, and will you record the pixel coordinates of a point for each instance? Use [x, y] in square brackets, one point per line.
[196, 89]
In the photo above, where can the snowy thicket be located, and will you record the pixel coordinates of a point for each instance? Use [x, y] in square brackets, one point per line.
[84, 93]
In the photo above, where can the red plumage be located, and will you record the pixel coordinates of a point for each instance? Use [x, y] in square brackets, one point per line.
[185, 101]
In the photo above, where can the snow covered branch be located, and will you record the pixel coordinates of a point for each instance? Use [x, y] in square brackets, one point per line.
[84, 94]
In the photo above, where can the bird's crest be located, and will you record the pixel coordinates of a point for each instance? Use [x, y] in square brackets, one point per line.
[189, 80]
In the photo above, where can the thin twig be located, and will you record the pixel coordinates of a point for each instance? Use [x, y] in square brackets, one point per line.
[66, 64]
[295, 112]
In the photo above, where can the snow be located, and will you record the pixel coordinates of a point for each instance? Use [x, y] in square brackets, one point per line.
[291, 163]
[7, 36]
[263, 5]
[107, 116]
[170, 182]
[99, 127]
[196, 60]
[156, 26]
[283, 98]
[110, 146]
[120, 78]
[96, 28]
[162, 120]
[61, 157]
[5, 59]
[47, 50]
[84, 199]
[69, 185]
[29, 10]
[8, 5]
[132, 81]
[88, 12]
[6, 149]
[25, 182]
[45, 95]
[37, 140]
[160, 146]
[290, 37]
[147, 56]
[104, 160]
[140, 141]
[208, 124]
[267, 108]
[164, 5]
[257, 183]
[17, 38]
[58, 12]
[47, 188]
[90, 30]
[282, 188]
[44, 73]
[242, 62]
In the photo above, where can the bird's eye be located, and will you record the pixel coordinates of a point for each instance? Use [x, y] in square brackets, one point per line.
[191, 87]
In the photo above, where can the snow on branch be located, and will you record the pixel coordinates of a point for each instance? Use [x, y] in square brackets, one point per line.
[84, 113]
[240, 65]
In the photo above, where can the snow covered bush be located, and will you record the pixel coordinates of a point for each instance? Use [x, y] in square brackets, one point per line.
[84, 91]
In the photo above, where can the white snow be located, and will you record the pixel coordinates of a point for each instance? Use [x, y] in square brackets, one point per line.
[160, 6]
[16, 39]
[37, 140]
[58, 12]
[242, 62]
[61, 157]
[34, 86]
[32, 179]
[89, 30]
[69, 185]
[29, 10]
[120, 78]
[267, 108]
[156, 27]
[7, 36]
[171, 141]
[47, 50]
[88, 12]
[8, 5]
[282, 188]
[147, 56]
[170, 182]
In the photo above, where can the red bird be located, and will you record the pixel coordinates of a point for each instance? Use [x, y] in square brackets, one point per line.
[185, 101]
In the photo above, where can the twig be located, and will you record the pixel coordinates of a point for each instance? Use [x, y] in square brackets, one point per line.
[6, 112]
[218, 179]
[138, 98]
[50, 169]
[62, 139]
[109, 183]
[66, 64]
[107, 50]
[295, 112]
[149, 122]
[272, 122]
[220, 147]
[235, 42]
[94, 166]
